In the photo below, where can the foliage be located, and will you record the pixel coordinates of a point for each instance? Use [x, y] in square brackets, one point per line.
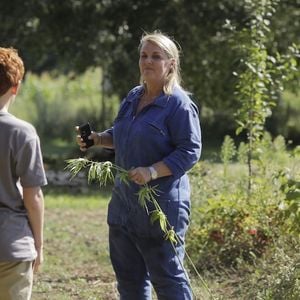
[227, 152]
[238, 225]
[67, 35]
[73, 36]
[56, 104]
[231, 232]
[262, 76]
[277, 276]
[77, 35]
[229, 228]
[291, 206]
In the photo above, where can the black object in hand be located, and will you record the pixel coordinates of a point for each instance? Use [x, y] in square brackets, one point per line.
[85, 131]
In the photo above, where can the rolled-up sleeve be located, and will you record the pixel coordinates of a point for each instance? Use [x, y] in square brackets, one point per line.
[185, 132]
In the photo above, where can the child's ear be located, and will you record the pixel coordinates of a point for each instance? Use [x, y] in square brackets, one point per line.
[15, 88]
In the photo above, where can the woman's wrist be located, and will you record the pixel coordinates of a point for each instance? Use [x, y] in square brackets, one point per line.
[153, 173]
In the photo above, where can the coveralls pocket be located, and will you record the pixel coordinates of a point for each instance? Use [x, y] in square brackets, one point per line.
[157, 132]
[156, 128]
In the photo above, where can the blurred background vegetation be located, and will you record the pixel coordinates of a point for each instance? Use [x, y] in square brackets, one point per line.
[81, 59]
[55, 105]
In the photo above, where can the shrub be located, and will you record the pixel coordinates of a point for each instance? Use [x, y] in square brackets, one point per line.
[277, 276]
[229, 226]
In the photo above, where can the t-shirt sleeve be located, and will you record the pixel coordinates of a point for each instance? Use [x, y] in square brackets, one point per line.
[29, 164]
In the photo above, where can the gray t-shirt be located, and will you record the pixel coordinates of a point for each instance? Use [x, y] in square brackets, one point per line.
[21, 165]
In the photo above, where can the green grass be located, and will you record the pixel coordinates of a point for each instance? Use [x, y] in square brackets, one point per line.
[77, 262]
[96, 201]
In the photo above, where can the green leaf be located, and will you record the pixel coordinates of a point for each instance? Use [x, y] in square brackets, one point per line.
[74, 166]
[123, 176]
[171, 236]
[163, 221]
[154, 216]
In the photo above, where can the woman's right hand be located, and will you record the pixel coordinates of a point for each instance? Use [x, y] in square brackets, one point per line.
[82, 145]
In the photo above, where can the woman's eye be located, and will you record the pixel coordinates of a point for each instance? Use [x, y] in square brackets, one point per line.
[156, 56]
[143, 56]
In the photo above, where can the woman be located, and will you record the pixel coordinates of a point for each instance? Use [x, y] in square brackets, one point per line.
[156, 135]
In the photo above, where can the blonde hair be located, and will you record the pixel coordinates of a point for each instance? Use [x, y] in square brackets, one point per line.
[11, 69]
[172, 51]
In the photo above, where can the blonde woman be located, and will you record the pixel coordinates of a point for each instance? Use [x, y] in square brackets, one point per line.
[156, 135]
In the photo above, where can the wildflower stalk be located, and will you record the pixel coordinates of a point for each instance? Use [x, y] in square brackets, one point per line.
[103, 173]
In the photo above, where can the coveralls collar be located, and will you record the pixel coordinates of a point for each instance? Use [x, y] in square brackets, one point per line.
[160, 101]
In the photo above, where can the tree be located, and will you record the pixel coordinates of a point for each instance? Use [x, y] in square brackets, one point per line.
[72, 35]
[261, 75]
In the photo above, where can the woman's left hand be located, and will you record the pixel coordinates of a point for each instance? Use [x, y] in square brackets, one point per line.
[140, 175]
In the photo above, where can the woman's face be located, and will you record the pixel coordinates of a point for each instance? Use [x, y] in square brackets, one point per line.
[154, 63]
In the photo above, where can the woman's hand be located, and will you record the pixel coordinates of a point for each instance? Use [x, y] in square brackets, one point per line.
[140, 175]
[82, 145]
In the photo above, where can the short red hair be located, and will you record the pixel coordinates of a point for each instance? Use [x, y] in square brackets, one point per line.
[11, 69]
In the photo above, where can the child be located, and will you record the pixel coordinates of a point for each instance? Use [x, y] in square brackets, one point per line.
[21, 198]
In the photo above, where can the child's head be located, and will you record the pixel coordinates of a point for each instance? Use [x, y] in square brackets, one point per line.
[11, 69]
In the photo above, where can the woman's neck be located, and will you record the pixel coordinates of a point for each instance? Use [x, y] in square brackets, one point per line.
[153, 91]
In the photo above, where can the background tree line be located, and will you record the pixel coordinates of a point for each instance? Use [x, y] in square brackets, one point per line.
[69, 37]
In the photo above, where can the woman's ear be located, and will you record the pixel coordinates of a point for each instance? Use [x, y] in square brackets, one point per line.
[172, 64]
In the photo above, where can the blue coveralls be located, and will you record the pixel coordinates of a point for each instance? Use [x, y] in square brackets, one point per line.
[167, 130]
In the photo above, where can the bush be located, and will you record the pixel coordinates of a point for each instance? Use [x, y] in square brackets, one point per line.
[230, 230]
[231, 226]
[277, 276]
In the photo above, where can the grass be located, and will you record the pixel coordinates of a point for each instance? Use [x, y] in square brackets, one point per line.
[77, 262]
